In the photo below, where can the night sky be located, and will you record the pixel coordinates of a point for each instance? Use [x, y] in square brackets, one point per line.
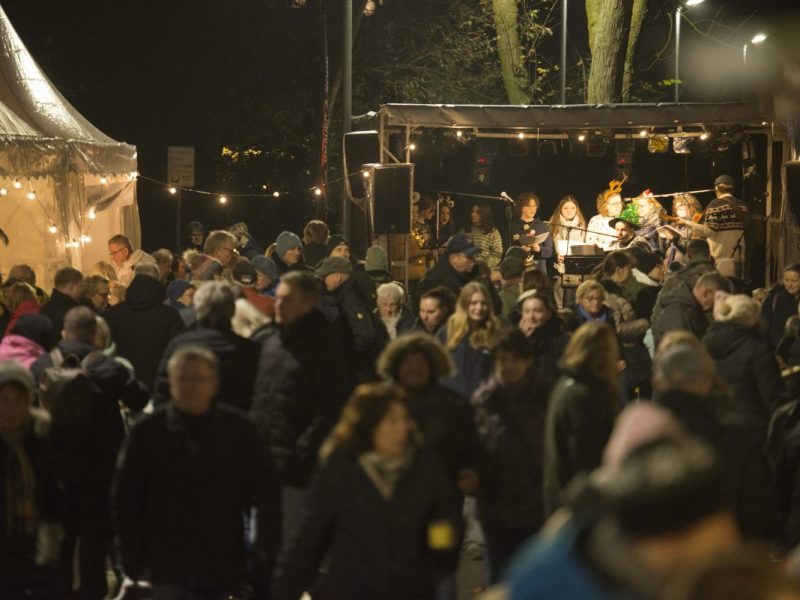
[238, 74]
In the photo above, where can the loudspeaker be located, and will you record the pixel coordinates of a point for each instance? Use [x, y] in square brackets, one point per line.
[360, 148]
[791, 172]
[390, 189]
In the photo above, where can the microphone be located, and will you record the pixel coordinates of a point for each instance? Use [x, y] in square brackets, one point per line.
[507, 198]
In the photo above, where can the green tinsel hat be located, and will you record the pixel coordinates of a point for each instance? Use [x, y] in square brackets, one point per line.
[630, 215]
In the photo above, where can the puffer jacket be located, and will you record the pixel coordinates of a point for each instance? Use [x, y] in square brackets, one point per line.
[20, 349]
[630, 329]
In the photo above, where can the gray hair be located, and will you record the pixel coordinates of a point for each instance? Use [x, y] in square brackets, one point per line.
[186, 354]
[147, 268]
[247, 318]
[215, 304]
[215, 240]
[391, 290]
[682, 367]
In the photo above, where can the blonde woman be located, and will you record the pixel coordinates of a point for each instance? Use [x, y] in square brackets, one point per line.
[582, 408]
[469, 336]
[601, 233]
[565, 217]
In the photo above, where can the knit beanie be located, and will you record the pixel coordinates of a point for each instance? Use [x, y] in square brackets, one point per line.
[38, 328]
[265, 265]
[285, 242]
[176, 289]
[739, 309]
[335, 240]
[376, 259]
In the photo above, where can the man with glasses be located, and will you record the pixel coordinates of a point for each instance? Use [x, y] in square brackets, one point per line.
[221, 246]
[124, 258]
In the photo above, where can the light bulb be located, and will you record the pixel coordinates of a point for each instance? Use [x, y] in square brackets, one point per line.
[17, 184]
[704, 136]
[643, 133]
[521, 136]
[223, 199]
[3, 191]
[173, 190]
[103, 180]
[581, 138]
[31, 195]
[92, 215]
[317, 192]
[412, 147]
[758, 38]
[459, 133]
[276, 194]
[264, 187]
[52, 229]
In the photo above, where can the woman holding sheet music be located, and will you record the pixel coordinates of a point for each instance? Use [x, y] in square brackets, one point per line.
[526, 226]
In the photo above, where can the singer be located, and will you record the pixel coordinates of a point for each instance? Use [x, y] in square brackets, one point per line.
[527, 224]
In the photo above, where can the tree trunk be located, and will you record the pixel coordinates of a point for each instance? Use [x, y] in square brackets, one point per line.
[515, 75]
[592, 14]
[637, 18]
[610, 48]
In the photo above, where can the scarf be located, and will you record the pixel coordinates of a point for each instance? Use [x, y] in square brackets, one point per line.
[602, 318]
[573, 235]
[19, 486]
[385, 472]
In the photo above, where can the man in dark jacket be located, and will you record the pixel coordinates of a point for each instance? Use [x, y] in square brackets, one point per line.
[300, 390]
[686, 307]
[456, 268]
[143, 325]
[215, 304]
[363, 336]
[66, 294]
[189, 475]
[87, 451]
[699, 263]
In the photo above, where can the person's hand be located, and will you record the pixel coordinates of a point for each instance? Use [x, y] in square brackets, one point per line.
[528, 248]
[467, 481]
[526, 327]
[536, 247]
[559, 258]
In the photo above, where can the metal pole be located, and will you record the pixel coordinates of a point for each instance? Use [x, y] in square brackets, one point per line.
[347, 95]
[178, 221]
[564, 13]
[677, 55]
[744, 56]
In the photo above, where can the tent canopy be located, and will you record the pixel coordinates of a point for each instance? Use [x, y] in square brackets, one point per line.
[41, 133]
[571, 117]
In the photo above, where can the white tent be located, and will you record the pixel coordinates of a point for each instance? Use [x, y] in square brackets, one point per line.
[65, 186]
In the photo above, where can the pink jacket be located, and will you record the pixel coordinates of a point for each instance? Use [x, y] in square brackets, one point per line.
[20, 349]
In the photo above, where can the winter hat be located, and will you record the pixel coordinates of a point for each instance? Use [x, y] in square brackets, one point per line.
[13, 372]
[286, 241]
[517, 252]
[265, 265]
[629, 215]
[376, 259]
[334, 264]
[176, 289]
[204, 268]
[724, 180]
[335, 240]
[244, 273]
[739, 309]
[38, 328]
[511, 268]
[638, 424]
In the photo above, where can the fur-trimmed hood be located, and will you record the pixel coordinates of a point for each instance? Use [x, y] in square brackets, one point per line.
[412, 343]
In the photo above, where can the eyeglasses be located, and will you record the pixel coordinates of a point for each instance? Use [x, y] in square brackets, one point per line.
[115, 252]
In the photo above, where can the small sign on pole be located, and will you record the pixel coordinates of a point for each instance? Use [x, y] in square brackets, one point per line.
[180, 165]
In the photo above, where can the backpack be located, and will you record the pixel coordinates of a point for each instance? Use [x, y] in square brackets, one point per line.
[66, 389]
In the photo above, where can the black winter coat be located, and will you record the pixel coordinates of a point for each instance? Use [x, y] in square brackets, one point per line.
[143, 325]
[511, 425]
[86, 454]
[778, 306]
[687, 275]
[182, 487]
[548, 342]
[299, 393]
[375, 548]
[580, 417]
[56, 308]
[238, 363]
[680, 312]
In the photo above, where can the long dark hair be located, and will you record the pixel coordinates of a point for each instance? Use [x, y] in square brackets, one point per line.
[612, 262]
[524, 199]
[487, 221]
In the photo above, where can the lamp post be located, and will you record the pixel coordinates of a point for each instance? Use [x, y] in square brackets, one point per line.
[757, 39]
[347, 97]
[678, 12]
[564, 13]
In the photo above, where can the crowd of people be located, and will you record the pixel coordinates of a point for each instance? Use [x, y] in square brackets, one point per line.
[232, 422]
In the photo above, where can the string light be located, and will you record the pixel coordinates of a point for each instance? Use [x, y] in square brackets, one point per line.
[276, 194]
[52, 229]
[521, 136]
[92, 215]
[365, 174]
[704, 136]
[643, 133]
[17, 184]
[3, 191]
[264, 187]
[582, 138]
[459, 133]
[173, 190]
[31, 195]
[412, 147]
[223, 199]
[103, 180]
[85, 239]
[317, 192]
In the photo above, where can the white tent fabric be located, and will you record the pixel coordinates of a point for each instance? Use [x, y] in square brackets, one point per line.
[60, 173]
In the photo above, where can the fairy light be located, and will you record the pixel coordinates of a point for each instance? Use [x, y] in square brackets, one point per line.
[173, 190]
[92, 215]
[103, 180]
[223, 199]
[317, 192]
[31, 195]
[704, 136]
[582, 138]
[276, 194]
[459, 133]
[3, 191]
[412, 147]
[52, 229]
[521, 136]
[17, 184]
[643, 133]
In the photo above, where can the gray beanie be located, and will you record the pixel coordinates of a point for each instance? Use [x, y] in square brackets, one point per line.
[265, 265]
[285, 242]
[376, 259]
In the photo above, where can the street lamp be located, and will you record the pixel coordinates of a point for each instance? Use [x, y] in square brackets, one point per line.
[757, 39]
[689, 3]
